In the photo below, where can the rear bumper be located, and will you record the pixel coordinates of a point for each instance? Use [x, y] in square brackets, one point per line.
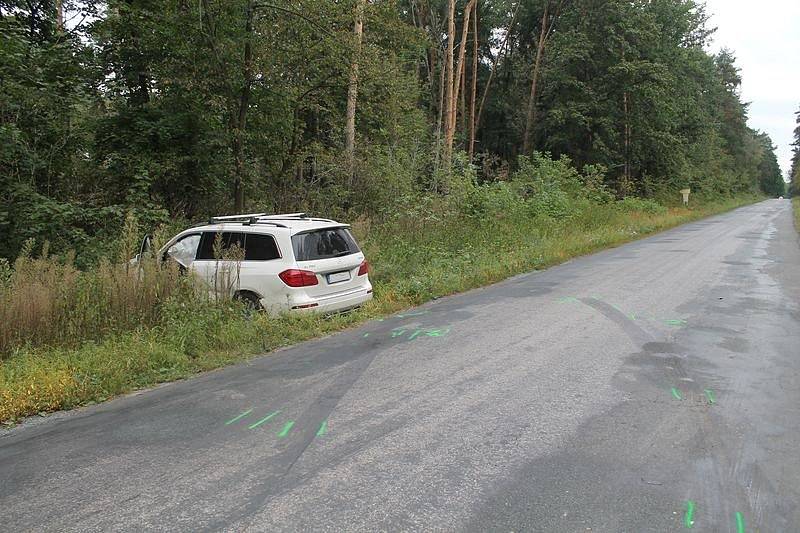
[341, 303]
[302, 303]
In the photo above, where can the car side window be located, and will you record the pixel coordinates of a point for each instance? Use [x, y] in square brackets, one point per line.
[206, 251]
[257, 246]
[226, 239]
[184, 250]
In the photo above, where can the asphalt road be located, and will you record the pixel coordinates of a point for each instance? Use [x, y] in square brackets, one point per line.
[649, 387]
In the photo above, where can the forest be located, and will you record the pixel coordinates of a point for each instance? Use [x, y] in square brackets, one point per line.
[177, 110]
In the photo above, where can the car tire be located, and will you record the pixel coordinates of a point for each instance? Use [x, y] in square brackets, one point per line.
[252, 303]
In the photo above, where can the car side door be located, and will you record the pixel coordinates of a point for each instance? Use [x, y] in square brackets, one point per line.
[183, 251]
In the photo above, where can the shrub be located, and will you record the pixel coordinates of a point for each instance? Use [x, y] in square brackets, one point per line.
[643, 205]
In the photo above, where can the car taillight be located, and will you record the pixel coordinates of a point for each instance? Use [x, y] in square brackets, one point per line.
[363, 268]
[298, 278]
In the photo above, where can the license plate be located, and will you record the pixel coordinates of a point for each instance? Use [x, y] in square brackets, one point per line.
[338, 277]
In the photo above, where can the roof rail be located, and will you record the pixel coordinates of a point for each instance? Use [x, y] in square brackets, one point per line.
[284, 215]
[249, 219]
[310, 219]
[235, 218]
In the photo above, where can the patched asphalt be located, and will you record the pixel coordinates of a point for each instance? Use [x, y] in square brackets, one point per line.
[649, 387]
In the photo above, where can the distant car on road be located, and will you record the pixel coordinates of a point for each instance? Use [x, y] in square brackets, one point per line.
[287, 262]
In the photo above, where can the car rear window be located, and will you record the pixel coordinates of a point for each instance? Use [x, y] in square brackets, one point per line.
[257, 247]
[323, 244]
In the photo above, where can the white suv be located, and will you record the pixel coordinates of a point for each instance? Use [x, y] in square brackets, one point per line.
[289, 263]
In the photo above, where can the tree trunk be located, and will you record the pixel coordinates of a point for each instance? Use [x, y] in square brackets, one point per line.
[462, 50]
[352, 93]
[529, 123]
[494, 68]
[59, 16]
[471, 146]
[447, 151]
[240, 122]
[462, 103]
[440, 118]
[627, 142]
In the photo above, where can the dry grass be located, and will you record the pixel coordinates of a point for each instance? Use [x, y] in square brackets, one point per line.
[47, 301]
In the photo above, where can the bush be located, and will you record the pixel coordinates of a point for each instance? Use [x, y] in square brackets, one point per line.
[644, 205]
[497, 199]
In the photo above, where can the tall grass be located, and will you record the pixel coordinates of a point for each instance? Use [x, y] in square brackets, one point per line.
[45, 300]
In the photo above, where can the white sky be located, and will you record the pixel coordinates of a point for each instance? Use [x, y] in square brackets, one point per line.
[765, 38]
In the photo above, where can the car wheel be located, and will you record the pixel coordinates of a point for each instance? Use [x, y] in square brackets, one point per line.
[251, 302]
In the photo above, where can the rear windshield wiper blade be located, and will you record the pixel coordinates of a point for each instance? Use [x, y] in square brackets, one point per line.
[340, 254]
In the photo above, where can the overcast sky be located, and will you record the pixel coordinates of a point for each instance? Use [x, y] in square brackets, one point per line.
[765, 38]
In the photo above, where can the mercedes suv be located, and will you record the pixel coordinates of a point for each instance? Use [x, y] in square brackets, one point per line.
[287, 262]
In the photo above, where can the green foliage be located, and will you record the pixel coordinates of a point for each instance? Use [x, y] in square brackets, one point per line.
[631, 204]
[796, 211]
[794, 170]
[162, 108]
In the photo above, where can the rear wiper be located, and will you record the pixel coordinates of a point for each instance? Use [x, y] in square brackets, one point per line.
[340, 254]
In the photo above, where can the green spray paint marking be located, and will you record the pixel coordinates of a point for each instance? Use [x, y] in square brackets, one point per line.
[739, 522]
[688, 518]
[632, 316]
[437, 332]
[676, 393]
[675, 322]
[400, 332]
[415, 313]
[366, 334]
[234, 419]
[254, 426]
[615, 306]
[286, 428]
[710, 396]
[322, 429]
